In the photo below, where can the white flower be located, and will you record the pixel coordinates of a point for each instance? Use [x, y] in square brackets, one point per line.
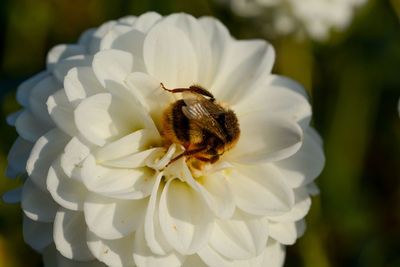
[98, 187]
[313, 17]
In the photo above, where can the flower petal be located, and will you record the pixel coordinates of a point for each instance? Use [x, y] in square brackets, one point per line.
[80, 83]
[108, 218]
[131, 42]
[38, 97]
[145, 21]
[220, 196]
[62, 68]
[69, 235]
[38, 235]
[18, 155]
[116, 253]
[144, 257]
[112, 65]
[284, 232]
[44, 152]
[218, 38]
[274, 254]
[260, 190]
[37, 205]
[62, 112]
[304, 166]
[153, 234]
[185, 218]
[116, 31]
[25, 88]
[194, 260]
[67, 192]
[12, 118]
[129, 144]
[135, 160]
[29, 127]
[13, 196]
[270, 97]
[173, 63]
[116, 182]
[99, 119]
[241, 237]
[244, 64]
[300, 208]
[71, 160]
[62, 51]
[196, 34]
[265, 138]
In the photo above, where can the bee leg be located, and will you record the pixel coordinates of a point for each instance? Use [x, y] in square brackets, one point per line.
[193, 89]
[187, 153]
[212, 160]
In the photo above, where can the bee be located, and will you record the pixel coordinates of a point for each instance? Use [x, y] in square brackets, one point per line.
[203, 127]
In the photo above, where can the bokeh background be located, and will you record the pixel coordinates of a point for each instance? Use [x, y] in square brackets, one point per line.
[353, 79]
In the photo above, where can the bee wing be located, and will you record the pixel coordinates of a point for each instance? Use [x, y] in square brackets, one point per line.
[191, 98]
[198, 113]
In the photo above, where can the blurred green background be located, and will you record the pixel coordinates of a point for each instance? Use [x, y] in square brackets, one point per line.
[354, 82]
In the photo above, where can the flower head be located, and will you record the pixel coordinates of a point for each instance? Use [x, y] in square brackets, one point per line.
[315, 18]
[107, 184]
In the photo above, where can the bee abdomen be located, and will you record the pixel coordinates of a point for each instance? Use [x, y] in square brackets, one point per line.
[180, 123]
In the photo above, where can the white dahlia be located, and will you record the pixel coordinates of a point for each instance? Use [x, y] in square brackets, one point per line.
[102, 186]
[315, 18]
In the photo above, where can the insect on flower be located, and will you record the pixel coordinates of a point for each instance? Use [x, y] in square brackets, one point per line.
[203, 127]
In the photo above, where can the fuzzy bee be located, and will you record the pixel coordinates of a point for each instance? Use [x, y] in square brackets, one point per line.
[203, 127]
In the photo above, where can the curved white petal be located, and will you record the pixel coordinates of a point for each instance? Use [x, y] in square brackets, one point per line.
[198, 37]
[218, 38]
[18, 155]
[152, 229]
[284, 232]
[116, 253]
[12, 118]
[80, 83]
[99, 119]
[116, 31]
[241, 237]
[62, 68]
[66, 191]
[244, 64]
[117, 182]
[260, 190]
[270, 97]
[112, 65]
[185, 218]
[38, 205]
[69, 235]
[62, 112]
[299, 209]
[194, 261]
[148, 91]
[265, 138]
[38, 235]
[44, 152]
[38, 97]
[62, 51]
[25, 88]
[129, 144]
[75, 153]
[144, 257]
[173, 62]
[135, 160]
[65, 262]
[29, 127]
[274, 254]
[304, 166]
[12, 196]
[113, 218]
[145, 21]
[218, 194]
[131, 42]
